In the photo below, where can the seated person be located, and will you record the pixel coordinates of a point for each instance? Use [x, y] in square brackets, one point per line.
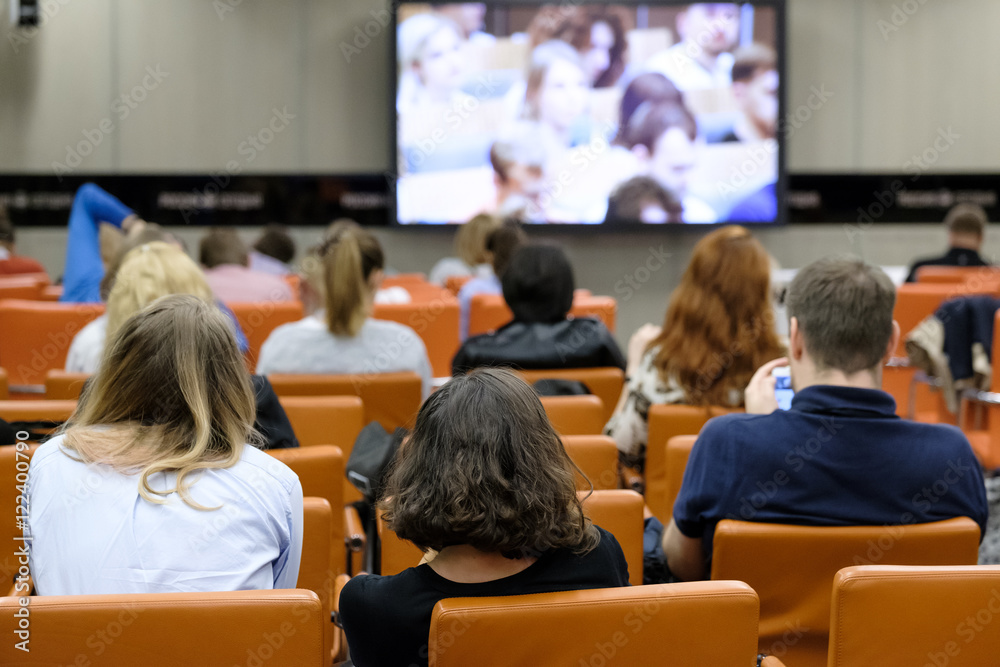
[597, 34]
[490, 422]
[227, 269]
[555, 96]
[500, 246]
[966, 224]
[148, 489]
[840, 456]
[470, 246]
[518, 158]
[538, 287]
[147, 273]
[10, 261]
[647, 87]
[642, 199]
[343, 338]
[755, 87]
[273, 252]
[700, 60]
[719, 328]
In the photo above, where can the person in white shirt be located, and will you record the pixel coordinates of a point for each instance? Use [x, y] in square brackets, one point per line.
[153, 487]
[708, 31]
[342, 338]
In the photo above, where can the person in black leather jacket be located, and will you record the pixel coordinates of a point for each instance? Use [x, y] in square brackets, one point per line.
[538, 287]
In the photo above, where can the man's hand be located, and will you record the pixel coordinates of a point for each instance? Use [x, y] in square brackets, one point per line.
[759, 395]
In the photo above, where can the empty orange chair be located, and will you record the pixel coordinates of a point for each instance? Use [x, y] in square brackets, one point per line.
[435, 321]
[792, 569]
[605, 383]
[64, 386]
[575, 415]
[23, 286]
[37, 335]
[597, 457]
[259, 319]
[700, 623]
[325, 420]
[392, 399]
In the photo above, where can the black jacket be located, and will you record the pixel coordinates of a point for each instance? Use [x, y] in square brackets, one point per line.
[576, 343]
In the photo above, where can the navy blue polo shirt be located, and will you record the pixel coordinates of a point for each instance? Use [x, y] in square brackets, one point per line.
[840, 456]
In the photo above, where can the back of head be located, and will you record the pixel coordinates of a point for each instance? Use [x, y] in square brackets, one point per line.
[149, 233]
[350, 256]
[172, 394]
[277, 243]
[629, 201]
[148, 272]
[484, 467]
[653, 119]
[222, 245]
[6, 228]
[749, 61]
[502, 242]
[543, 57]
[719, 326]
[967, 220]
[844, 310]
[470, 240]
[647, 87]
[538, 284]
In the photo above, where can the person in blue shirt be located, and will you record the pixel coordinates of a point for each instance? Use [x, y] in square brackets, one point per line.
[840, 456]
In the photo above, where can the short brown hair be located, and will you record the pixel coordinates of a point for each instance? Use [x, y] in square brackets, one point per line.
[503, 241]
[966, 219]
[844, 310]
[484, 467]
[652, 120]
[749, 61]
[222, 245]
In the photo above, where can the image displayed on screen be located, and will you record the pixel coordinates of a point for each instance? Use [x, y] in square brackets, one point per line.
[587, 114]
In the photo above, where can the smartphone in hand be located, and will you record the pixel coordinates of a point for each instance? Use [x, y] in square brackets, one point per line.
[783, 391]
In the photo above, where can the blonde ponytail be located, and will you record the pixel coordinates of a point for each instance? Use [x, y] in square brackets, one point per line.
[350, 258]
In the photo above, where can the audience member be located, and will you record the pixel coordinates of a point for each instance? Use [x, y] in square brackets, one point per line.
[226, 260]
[966, 224]
[470, 246]
[719, 328]
[485, 488]
[500, 245]
[700, 60]
[647, 87]
[10, 261]
[538, 287]
[664, 138]
[597, 34]
[556, 96]
[518, 158]
[468, 16]
[755, 87]
[643, 199]
[273, 252]
[129, 498]
[343, 337]
[429, 48]
[840, 456]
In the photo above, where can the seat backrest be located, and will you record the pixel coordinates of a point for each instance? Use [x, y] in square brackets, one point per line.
[62, 385]
[317, 552]
[14, 462]
[321, 473]
[404, 280]
[603, 308]
[37, 335]
[915, 301]
[605, 383]
[4, 386]
[665, 422]
[699, 623]
[21, 287]
[678, 452]
[575, 415]
[792, 570]
[392, 399]
[597, 458]
[956, 274]
[259, 318]
[435, 320]
[620, 513]
[272, 627]
[395, 555]
[53, 413]
[899, 615]
[488, 312]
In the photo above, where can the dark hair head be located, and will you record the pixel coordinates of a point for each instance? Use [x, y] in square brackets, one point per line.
[6, 227]
[648, 87]
[277, 243]
[652, 120]
[628, 200]
[538, 284]
[966, 219]
[503, 241]
[222, 245]
[484, 467]
[844, 310]
[749, 61]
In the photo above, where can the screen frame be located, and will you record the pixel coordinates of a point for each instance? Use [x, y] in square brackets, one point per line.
[781, 185]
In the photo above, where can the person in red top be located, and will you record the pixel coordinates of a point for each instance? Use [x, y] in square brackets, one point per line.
[10, 263]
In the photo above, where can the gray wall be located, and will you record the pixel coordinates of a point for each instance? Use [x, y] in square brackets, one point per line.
[893, 79]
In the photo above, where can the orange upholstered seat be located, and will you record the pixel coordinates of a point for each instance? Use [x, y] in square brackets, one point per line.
[392, 399]
[488, 312]
[597, 458]
[575, 415]
[258, 319]
[605, 383]
[435, 320]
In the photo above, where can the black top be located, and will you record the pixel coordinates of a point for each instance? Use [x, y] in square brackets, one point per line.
[387, 620]
[582, 342]
[954, 257]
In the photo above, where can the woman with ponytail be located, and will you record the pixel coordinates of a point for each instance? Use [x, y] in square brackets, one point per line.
[342, 337]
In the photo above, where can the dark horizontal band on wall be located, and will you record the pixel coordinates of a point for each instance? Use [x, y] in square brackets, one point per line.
[309, 199]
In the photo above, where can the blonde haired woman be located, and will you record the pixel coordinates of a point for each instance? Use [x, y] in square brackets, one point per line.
[152, 487]
[342, 337]
[470, 245]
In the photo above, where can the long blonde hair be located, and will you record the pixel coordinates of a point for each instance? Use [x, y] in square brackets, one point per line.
[350, 256]
[172, 394]
[148, 272]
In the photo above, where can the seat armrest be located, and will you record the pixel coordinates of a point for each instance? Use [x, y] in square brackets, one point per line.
[355, 539]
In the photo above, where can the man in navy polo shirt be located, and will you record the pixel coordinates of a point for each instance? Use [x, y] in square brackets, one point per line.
[840, 456]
